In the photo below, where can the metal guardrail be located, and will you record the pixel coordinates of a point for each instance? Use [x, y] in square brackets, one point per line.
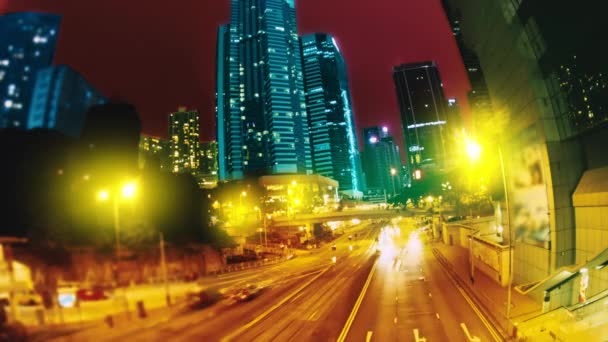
[242, 266]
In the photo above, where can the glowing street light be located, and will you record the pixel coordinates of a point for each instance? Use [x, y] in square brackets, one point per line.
[473, 149]
[128, 190]
[103, 195]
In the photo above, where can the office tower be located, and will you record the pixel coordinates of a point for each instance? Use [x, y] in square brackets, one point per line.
[27, 44]
[184, 140]
[331, 121]
[423, 113]
[479, 98]
[381, 162]
[262, 126]
[60, 100]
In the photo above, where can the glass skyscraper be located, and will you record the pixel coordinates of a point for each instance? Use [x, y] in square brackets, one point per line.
[423, 112]
[381, 162]
[331, 122]
[261, 114]
[60, 100]
[27, 44]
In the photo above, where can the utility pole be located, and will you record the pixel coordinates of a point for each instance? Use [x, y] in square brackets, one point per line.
[163, 265]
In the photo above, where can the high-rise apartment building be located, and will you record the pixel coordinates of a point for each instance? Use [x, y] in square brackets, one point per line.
[27, 44]
[261, 114]
[154, 150]
[60, 100]
[208, 165]
[381, 162]
[184, 141]
[334, 147]
[423, 113]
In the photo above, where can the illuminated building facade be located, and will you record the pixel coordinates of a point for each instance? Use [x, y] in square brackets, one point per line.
[423, 113]
[184, 141]
[381, 163]
[60, 100]
[154, 147]
[208, 164]
[27, 44]
[334, 147]
[261, 114]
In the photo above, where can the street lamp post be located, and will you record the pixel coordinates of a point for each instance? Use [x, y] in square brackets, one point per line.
[474, 151]
[504, 184]
[393, 173]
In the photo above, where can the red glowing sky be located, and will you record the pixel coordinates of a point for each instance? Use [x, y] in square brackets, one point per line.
[160, 55]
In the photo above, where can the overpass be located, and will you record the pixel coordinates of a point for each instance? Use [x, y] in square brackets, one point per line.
[309, 219]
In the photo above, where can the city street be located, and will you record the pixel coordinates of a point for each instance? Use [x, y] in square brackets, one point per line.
[307, 286]
[409, 292]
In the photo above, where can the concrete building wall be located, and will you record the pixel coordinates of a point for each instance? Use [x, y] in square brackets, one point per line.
[524, 117]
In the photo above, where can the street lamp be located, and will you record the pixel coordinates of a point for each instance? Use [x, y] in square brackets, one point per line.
[474, 152]
[127, 191]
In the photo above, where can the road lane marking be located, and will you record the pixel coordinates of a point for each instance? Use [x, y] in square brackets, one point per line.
[430, 295]
[353, 313]
[269, 311]
[395, 320]
[474, 307]
[368, 338]
[468, 334]
[437, 314]
[417, 336]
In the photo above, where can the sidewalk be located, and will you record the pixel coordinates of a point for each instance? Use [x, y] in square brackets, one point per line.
[487, 293]
[122, 324]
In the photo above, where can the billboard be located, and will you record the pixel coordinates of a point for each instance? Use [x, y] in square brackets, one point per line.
[529, 202]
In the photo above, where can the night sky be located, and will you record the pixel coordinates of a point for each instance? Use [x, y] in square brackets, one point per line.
[159, 55]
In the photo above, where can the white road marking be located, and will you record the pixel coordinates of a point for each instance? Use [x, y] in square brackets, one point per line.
[430, 295]
[437, 314]
[466, 332]
[395, 320]
[368, 337]
[353, 313]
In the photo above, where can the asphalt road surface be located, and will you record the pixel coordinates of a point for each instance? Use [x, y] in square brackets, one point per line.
[411, 298]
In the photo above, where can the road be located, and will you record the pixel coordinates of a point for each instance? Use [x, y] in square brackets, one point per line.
[305, 285]
[409, 292]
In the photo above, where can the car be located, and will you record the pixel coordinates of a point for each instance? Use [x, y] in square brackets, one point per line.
[333, 247]
[199, 297]
[248, 293]
[94, 293]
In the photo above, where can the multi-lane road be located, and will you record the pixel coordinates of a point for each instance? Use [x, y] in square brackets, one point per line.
[362, 296]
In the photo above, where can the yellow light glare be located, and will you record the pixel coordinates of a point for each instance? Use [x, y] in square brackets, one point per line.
[393, 171]
[473, 149]
[103, 195]
[128, 190]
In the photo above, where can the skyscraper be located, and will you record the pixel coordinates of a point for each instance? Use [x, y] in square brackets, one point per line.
[27, 44]
[262, 126]
[60, 100]
[479, 98]
[184, 141]
[208, 164]
[331, 122]
[423, 112]
[381, 162]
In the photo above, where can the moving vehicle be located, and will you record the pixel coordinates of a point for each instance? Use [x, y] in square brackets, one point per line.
[249, 292]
